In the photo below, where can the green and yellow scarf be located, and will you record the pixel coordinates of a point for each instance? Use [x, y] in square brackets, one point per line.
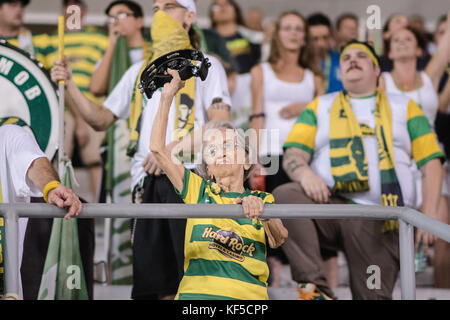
[349, 165]
[168, 35]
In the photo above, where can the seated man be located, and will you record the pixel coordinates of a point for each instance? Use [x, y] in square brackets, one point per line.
[355, 146]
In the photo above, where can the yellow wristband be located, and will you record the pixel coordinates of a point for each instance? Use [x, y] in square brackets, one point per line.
[49, 187]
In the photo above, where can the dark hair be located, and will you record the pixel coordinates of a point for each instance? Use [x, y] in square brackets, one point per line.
[441, 19]
[237, 10]
[421, 41]
[344, 16]
[194, 38]
[23, 2]
[80, 2]
[133, 6]
[306, 58]
[319, 19]
[366, 44]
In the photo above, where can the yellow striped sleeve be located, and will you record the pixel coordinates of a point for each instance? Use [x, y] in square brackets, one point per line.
[303, 134]
[193, 185]
[424, 144]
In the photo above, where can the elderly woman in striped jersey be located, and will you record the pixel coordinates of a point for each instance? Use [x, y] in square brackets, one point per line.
[224, 258]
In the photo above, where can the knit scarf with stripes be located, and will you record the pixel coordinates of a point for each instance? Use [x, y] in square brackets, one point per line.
[349, 165]
[168, 35]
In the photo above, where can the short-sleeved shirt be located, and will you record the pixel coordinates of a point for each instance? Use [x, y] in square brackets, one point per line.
[119, 101]
[412, 139]
[244, 54]
[18, 150]
[224, 258]
[83, 49]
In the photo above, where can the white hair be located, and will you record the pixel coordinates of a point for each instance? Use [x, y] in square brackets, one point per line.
[202, 168]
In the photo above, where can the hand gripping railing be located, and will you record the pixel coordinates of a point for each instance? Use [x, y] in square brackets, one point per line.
[408, 219]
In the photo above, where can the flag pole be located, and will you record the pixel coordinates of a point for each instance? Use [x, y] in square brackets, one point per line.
[61, 100]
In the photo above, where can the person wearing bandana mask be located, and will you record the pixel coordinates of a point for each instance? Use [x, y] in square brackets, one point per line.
[158, 244]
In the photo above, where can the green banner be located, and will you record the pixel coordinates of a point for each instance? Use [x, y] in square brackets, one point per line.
[63, 277]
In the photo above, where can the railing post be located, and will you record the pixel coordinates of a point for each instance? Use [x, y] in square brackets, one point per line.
[11, 253]
[407, 268]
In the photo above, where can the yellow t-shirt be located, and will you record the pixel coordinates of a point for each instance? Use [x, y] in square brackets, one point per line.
[224, 258]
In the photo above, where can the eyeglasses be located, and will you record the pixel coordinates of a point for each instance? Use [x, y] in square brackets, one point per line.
[168, 7]
[120, 16]
[212, 150]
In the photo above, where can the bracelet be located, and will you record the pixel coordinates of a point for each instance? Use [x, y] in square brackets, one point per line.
[49, 187]
[258, 115]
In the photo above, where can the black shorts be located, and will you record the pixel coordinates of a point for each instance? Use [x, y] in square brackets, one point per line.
[158, 246]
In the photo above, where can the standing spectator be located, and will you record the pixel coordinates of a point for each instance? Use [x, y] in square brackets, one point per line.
[83, 47]
[321, 37]
[226, 18]
[125, 18]
[442, 125]
[158, 254]
[346, 29]
[283, 86]
[334, 155]
[38, 230]
[420, 86]
[12, 28]
[127, 46]
[25, 172]
[416, 22]
[281, 89]
[394, 23]
[214, 268]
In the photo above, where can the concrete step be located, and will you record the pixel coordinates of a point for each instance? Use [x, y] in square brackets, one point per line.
[108, 292]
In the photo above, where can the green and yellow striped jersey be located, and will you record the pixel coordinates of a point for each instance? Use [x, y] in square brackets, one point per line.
[224, 258]
[83, 49]
[424, 146]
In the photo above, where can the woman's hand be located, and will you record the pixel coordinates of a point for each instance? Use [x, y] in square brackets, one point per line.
[61, 71]
[171, 88]
[292, 111]
[253, 206]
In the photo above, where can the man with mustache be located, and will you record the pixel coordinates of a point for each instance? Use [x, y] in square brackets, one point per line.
[355, 146]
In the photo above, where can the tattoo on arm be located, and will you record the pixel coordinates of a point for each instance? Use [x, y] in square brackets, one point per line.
[294, 160]
[293, 165]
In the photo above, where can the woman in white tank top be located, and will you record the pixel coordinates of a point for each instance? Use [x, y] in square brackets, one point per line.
[421, 87]
[281, 89]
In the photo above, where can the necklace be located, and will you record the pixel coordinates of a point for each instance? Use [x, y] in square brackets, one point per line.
[406, 88]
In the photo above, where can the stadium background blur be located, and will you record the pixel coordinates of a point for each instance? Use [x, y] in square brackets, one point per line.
[41, 17]
[43, 13]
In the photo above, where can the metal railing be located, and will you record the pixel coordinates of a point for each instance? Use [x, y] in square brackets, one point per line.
[408, 219]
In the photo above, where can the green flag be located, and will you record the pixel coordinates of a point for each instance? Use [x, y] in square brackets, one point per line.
[63, 277]
[118, 178]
